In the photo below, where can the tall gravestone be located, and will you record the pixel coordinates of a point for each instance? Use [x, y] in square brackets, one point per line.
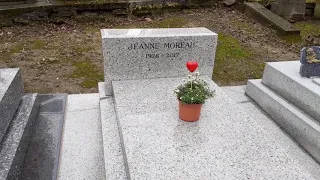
[289, 9]
[155, 53]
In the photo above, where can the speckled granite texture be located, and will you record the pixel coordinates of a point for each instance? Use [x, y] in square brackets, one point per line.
[284, 79]
[154, 53]
[309, 70]
[11, 91]
[225, 144]
[81, 155]
[316, 81]
[237, 93]
[102, 90]
[16, 140]
[299, 125]
[44, 150]
[113, 152]
[113, 157]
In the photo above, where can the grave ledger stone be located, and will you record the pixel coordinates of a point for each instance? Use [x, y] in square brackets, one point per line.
[155, 53]
[11, 91]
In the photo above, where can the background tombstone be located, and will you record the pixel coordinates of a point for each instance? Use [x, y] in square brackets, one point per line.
[310, 61]
[289, 9]
[317, 10]
[155, 53]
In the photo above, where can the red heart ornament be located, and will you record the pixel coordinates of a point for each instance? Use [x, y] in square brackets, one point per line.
[192, 65]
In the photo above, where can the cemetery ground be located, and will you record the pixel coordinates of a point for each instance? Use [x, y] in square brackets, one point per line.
[64, 54]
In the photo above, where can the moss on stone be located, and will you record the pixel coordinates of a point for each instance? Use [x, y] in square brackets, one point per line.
[88, 72]
[235, 63]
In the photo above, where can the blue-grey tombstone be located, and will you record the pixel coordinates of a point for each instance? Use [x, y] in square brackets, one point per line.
[310, 61]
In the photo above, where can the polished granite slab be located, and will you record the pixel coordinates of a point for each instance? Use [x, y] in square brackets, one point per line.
[44, 149]
[113, 156]
[14, 146]
[11, 91]
[81, 154]
[284, 78]
[226, 143]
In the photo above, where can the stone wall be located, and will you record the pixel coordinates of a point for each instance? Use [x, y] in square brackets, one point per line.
[194, 2]
[12, 2]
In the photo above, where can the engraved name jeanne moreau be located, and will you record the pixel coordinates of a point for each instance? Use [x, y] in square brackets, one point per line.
[169, 45]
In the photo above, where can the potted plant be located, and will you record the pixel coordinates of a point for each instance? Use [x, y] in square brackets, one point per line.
[192, 95]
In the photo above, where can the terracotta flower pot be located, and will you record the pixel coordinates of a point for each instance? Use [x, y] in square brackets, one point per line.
[189, 112]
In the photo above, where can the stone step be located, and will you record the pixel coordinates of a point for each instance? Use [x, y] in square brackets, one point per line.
[237, 93]
[11, 91]
[81, 154]
[225, 144]
[285, 80]
[300, 126]
[44, 150]
[113, 157]
[13, 148]
[265, 16]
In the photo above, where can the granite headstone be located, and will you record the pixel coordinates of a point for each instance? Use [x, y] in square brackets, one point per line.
[155, 53]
